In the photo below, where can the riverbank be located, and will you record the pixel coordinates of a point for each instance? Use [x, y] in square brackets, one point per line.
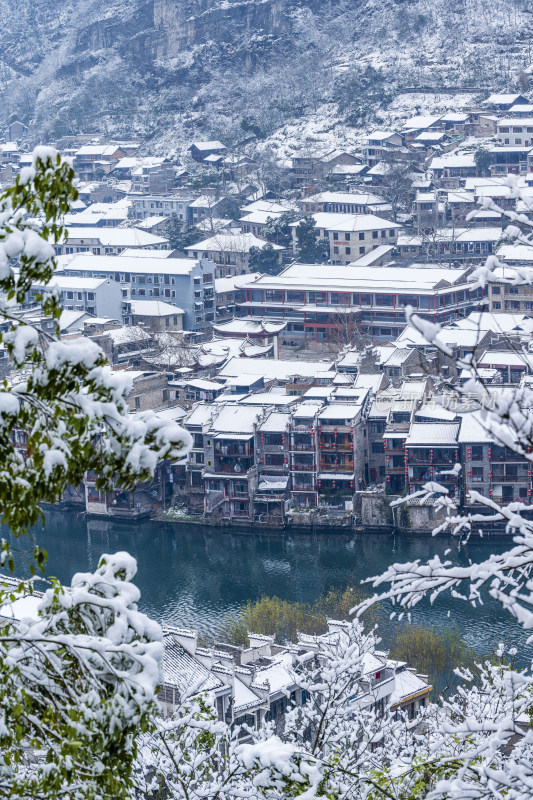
[193, 575]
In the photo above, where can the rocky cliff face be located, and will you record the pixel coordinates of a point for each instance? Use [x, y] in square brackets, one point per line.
[172, 68]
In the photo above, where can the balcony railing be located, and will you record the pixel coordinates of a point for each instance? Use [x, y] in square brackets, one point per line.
[303, 468]
[336, 467]
[229, 469]
[510, 478]
[272, 448]
[303, 447]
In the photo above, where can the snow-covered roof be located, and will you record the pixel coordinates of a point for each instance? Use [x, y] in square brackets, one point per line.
[161, 266]
[420, 121]
[503, 358]
[249, 327]
[473, 430]
[502, 99]
[275, 422]
[348, 198]
[373, 255]
[432, 434]
[77, 284]
[213, 145]
[340, 411]
[179, 665]
[515, 252]
[144, 252]
[453, 161]
[116, 237]
[153, 308]
[230, 243]
[233, 282]
[356, 278]
[350, 222]
[271, 368]
[381, 135]
[431, 136]
[236, 419]
[406, 685]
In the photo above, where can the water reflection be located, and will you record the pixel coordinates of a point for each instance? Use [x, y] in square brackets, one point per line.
[194, 576]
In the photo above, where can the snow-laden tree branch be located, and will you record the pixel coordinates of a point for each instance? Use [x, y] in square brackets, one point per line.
[64, 397]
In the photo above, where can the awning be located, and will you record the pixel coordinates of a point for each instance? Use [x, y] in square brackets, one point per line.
[336, 476]
[240, 437]
[272, 483]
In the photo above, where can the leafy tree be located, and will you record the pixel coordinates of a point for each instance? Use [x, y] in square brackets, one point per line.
[284, 619]
[361, 92]
[278, 229]
[181, 235]
[78, 682]
[264, 259]
[396, 184]
[483, 158]
[434, 653]
[311, 249]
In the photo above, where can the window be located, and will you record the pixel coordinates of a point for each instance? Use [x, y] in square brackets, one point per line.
[273, 296]
[391, 233]
[296, 297]
[378, 447]
[335, 237]
[336, 251]
[477, 474]
[361, 236]
[70, 295]
[348, 251]
[477, 452]
[385, 300]
[496, 306]
[374, 234]
[496, 290]
[347, 237]
[137, 402]
[361, 251]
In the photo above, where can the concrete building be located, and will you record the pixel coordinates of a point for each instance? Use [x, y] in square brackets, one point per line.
[229, 251]
[351, 236]
[108, 241]
[315, 299]
[167, 205]
[185, 280]
[100, 297]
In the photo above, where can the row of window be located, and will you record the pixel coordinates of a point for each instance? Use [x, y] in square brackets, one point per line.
[362, 234]
[358, 299]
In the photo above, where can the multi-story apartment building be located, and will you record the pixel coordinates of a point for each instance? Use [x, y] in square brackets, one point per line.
[432, 451]
[108, 241]
[379, 143]
[161, 205]
[351, 236]
[342, 203]
[230, 252]
[101, 297]
[515, 131]
[183, 280]
[154, 178]
[316, 300]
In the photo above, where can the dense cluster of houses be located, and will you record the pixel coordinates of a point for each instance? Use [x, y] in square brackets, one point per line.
[307, 394]
[260, 683]
[255, 685]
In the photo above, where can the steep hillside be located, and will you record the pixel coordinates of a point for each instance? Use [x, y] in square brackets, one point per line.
[173, 69]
